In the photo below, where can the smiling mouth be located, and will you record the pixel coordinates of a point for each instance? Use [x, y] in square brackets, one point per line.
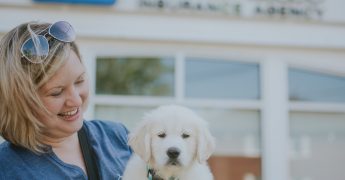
[69, 113]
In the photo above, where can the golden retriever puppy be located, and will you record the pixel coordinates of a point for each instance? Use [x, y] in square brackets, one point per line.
[171, 143]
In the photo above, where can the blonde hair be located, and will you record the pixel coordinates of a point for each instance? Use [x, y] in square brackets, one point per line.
[20, 80]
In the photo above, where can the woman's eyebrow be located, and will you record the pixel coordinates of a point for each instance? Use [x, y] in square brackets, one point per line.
[82, 74]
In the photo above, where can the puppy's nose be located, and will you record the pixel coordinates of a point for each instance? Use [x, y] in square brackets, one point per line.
[173, 152]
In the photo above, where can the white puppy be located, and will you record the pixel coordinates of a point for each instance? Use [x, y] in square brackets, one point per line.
[171, 143]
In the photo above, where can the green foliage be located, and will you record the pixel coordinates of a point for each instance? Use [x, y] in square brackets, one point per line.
[134, 76]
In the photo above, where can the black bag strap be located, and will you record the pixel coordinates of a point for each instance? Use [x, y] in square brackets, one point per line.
[89, 158]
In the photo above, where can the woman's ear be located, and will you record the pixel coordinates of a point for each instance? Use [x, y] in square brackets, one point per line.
[140, 141]
[205, 143]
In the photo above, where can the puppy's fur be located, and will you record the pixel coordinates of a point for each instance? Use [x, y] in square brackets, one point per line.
[174, 142]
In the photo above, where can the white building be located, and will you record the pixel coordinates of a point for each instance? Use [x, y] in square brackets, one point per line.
[268, 75]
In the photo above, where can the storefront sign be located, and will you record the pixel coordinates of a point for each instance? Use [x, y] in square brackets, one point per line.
[301, 9]
[306, 9]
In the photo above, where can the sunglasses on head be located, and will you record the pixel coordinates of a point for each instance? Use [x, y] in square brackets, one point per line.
[36, 51]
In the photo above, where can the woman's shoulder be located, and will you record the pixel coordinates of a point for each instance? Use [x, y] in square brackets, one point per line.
[8, 151]
[106, 126]
[5, 151]
[8, 160]
[101, 129]
[109, 141]
[11, 156]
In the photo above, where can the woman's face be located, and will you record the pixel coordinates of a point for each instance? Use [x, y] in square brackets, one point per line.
[65, 96]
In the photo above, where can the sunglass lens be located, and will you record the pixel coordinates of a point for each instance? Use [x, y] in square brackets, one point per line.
[62, 31]
[35, 53]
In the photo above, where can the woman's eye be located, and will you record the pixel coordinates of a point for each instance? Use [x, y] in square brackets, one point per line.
[80, 81]
[56, 93]
[185, 136]
[162, 135]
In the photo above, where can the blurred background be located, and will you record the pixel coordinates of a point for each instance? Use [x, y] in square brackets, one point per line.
[268, 75]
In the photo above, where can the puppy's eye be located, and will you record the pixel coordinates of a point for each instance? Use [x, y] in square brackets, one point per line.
[162, 135]
[185, 136]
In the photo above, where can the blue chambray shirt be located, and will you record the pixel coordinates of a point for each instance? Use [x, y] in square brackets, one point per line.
[108, 140]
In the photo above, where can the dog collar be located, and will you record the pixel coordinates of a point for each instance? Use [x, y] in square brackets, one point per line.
[151, 175]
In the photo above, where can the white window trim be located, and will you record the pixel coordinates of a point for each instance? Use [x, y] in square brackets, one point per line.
[114, 100]
[317, 107]
[180, 77]
[275, 122]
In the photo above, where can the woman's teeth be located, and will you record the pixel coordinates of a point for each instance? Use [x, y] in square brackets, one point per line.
[70, 113]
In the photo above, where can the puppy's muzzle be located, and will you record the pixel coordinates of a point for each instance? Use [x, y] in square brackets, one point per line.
[173, 154]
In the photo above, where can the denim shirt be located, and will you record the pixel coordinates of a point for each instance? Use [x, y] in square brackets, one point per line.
[108, 140]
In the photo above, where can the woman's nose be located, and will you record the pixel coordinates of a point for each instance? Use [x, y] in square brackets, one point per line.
[74, 98]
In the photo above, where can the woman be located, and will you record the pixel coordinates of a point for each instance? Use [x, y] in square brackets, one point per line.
[43, 94]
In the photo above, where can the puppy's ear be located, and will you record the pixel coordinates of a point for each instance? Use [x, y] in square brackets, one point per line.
[140, 141]
[205, 143]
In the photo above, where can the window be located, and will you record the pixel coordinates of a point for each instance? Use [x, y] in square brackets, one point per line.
[128, 115]
[317, 135]
[219, 79]
[237, 131]
[315, 87]
[317, 145]
[147, 76]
